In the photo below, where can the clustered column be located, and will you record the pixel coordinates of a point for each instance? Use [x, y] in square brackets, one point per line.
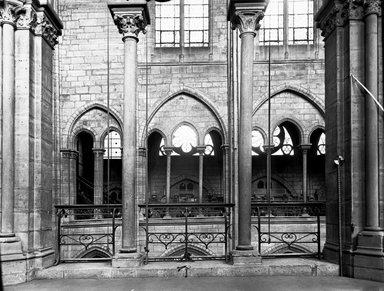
[98, 175]
[8, 138]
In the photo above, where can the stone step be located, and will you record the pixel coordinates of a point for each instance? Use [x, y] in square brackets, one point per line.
[269, 267]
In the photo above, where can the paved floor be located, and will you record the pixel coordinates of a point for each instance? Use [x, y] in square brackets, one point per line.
[265, 283]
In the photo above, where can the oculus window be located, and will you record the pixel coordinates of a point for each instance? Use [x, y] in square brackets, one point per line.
[182, 23]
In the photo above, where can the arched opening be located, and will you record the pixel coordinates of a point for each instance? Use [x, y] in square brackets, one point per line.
[316, 166]
[112, 169]
[85, 169]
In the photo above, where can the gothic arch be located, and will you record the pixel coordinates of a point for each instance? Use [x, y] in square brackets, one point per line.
[67, 138]
[192, 178]
[277, 179]
[193, 93]
[297, 123]
[192, 248]
[88, 130]
[153, 130]
[301, 92]
[94, 252]
[312, 130]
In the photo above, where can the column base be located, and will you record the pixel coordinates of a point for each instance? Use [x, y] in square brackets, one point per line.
[128, 260]
[10, 246]
[245, 257]
[13, 261]
[369, 255]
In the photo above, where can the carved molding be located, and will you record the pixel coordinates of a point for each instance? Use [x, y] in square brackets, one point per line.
[372, 7]
[130, 25]
[247, 21]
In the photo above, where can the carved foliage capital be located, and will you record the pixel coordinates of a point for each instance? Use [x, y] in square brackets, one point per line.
[130, 25]
[335, 18]
[7, 13]
[247, 21]
[372, 7]
[355, 9]
[42, 26]
[25, 17]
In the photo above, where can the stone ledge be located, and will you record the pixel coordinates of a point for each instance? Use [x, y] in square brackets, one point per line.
[273, 267]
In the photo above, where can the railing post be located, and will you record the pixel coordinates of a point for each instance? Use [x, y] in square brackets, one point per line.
[113, 231]
[59, 215]
[318, 236]
[258, 229]
[226, 233]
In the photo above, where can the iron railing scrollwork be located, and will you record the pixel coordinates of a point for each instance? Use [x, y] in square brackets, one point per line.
[186, 237]
[295, 242]
[77, 234]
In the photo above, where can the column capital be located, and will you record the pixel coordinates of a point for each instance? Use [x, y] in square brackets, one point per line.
[7, 13]
[333, 14]
[225, 148]
[25, 16]
[98, 152]
[142, 152]
[305, 147]
[201, 149]
[246, 15]
[168, 150]
[268, 147]
[372, 7]
[130, 18]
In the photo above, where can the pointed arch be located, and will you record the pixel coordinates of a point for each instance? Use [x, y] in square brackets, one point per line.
[195, 94]
[301, 92]
[297, 124]
[67, 139]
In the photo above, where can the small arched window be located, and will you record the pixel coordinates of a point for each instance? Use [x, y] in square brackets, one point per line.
[209, 150]
[282, 142]
[257, 143]
[321, 145]
[112, 145]
[184, 139]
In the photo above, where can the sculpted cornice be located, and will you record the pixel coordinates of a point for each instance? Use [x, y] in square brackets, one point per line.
[130, 24]
[247, 21]
[372, 7]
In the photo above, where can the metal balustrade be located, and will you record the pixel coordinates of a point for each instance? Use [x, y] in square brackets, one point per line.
[186, 242]
[85, 228]
[294, 238]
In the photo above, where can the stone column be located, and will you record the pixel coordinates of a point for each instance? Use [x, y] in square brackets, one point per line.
[8, 138]
[73, 156]
[66, 177]
[225, 149]
[200, 151]
[131, 19]
[245, 16]
[98, 176]
[304, 148]
[371, 135]
[370, 242]
[168, 152]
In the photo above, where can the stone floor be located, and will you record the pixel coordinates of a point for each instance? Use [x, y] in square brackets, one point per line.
[265, 283]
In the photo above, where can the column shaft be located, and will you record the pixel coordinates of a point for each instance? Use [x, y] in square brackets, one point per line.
[245, 143]
[168, 179]
[73, 178]
[305, 176]
[98, 176]
[129, 145]
[371, 150]
[8, 140]
[201, 167]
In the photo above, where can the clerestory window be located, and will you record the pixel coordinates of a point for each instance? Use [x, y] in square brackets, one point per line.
[287, 22]
[182, 23]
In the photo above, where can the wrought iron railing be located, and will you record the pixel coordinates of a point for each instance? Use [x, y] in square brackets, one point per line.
[300, 238]
[186, 234]
[83, 228]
